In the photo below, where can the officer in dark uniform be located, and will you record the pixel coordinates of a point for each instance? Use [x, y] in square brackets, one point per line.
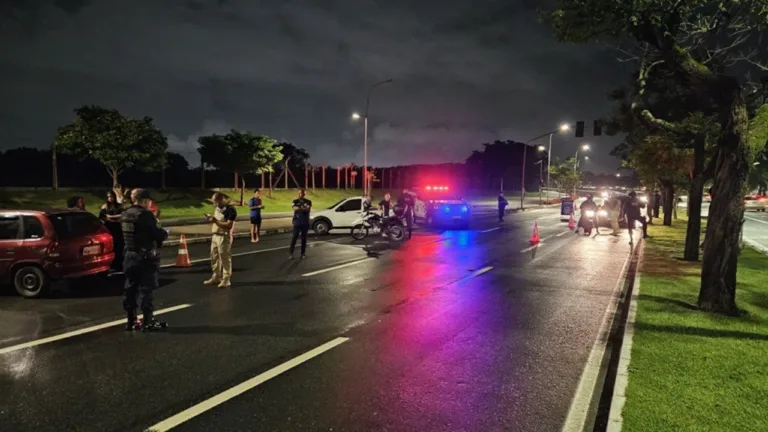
[503, 203]
[142, 262]
[301, 207]
[407, 201]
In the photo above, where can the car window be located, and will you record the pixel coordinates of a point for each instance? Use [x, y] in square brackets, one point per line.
[33, 229]
[9, 227]
[336, 204]
[351, 205]
[748, 199]
[75, 224]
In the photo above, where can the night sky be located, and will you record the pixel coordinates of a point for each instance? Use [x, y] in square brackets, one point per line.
[465, 72]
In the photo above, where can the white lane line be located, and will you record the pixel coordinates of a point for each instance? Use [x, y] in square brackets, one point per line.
[756, 220]
[489, 230]
[338, 267]
[236, 254]
[82, 331]
[563, 233]
[530, 248]
[243, 387]
[619, 398]
[582, 399]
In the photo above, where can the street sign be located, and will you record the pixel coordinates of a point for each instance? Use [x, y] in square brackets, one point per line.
[566, 207]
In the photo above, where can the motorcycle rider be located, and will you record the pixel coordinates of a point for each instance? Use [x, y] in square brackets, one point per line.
[613, 206]
[588, 205]
[407, 201]
[141, 261]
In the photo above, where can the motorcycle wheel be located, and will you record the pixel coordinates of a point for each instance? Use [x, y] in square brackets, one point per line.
[359, 232]
[397, 233]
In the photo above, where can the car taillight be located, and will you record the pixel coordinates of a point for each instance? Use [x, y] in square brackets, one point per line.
[106, 242]
[53, 250]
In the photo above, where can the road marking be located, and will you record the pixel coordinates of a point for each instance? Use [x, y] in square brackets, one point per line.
[243, 387]
[582, 399]
[83, 331]
[563, 233]
[530, 248]
[236, 254]
[338, 267]
[756, 220]
[489, 230]
[619, 398]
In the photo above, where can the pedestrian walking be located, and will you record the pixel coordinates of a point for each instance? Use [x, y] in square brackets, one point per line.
[301, 209]
[256, 205]
[222, 224]
[632, 211]
[613, 206]
[503, 203]
[141, 264]
[111, 215]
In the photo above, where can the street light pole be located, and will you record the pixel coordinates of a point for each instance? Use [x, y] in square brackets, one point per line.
[563, 128]
[365, 132]
[522, 182]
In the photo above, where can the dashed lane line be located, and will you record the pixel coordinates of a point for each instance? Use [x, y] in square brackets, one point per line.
[340, 266]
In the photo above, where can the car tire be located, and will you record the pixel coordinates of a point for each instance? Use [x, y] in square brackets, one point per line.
[321, 227]
[31, 282]
[359, 232]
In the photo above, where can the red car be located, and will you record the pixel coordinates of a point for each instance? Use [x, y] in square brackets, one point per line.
[39, 246]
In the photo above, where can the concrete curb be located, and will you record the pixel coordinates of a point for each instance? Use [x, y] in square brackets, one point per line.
[619, 398]
[756, 246]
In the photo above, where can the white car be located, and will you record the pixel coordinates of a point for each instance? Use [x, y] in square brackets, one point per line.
[341, 215]
[755, 203]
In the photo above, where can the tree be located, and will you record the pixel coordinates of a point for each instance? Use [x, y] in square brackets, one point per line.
[115, 141]
[297, 157]
[700, 43]
[566, 175]
[240, 152]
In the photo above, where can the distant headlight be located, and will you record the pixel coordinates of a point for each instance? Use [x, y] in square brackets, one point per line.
[603, 213]
[644, 199]
[590, 213]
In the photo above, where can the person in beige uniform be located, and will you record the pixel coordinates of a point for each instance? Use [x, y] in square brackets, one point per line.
[613, 205]
[222, 224]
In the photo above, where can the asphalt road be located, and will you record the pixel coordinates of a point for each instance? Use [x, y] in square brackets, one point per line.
[756, 230]
[451, 331]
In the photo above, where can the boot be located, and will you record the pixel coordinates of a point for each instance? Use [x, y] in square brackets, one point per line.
[150, 324]
[131, 323]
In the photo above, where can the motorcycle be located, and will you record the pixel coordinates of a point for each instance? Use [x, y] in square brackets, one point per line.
[587, 221]
[372, 223]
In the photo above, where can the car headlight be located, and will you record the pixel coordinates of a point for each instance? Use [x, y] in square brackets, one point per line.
[644, 199]
[590, 213]
[603, 213]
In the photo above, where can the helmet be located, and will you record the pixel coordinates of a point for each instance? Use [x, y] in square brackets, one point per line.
[633, 194]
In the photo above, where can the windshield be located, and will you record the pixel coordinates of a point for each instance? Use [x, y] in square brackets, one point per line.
[339, 202]
[76, 224]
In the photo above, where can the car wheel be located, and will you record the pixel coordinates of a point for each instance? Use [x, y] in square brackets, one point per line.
[359, 232]
[321, 227]
[30, 282]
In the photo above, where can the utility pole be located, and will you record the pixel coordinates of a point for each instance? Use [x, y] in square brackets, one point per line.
[55, 172]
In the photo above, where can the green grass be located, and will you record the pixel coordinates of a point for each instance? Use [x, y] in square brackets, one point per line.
[188, 203]
[690, 370]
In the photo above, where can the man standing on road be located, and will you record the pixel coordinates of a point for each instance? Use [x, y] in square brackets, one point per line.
[408, 204]
[301, 208]
[632, 212]
[613, 206]
[142, 262]
[503, 203]
[256, 205]
[222, 224]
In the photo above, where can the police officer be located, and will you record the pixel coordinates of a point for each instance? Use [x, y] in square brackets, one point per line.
[301, 208]
[503, 203]
[408, 203]
[633, 214]
[141, 263]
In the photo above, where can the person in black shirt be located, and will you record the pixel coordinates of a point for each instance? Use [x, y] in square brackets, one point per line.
[110, 215]
[502, 203]
[255, 206]
[301, 208]
[385, 205]
[632, 211]
[142, 262]
[408, 203]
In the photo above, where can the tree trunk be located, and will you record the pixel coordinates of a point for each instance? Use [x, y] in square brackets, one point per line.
[669, 200]
[695, 197]
[237, 183]
[54, 166]
[114, 173]
[721, 250]
[202, 176]
[270, 184]
[242, 189]
[651, 194]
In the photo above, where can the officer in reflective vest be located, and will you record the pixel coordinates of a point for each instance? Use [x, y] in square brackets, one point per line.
[142, 262]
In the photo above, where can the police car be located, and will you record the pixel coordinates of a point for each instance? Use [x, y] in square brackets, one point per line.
[439, 205]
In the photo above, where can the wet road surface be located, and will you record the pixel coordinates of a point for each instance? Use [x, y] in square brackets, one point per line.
[451, 331]
[756, 230]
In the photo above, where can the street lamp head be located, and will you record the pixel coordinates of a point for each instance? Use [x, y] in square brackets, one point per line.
[541, 148]
[585, 147]
[586, 158]
[355, 116]
[564, 127]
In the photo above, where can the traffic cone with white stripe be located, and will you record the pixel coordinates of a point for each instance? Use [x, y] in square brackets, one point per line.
[535, 237]
[182, 259]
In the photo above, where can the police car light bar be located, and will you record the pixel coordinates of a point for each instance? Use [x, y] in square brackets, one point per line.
[437, 188]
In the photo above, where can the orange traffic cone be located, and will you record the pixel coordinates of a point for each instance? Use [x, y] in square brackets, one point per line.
[571, 223]
[535, 237]
[182, 259]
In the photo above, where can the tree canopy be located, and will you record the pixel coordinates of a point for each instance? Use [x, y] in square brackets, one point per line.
[115, 141]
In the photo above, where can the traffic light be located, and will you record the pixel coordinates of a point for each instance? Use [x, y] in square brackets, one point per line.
[598, 129]
[579, 129]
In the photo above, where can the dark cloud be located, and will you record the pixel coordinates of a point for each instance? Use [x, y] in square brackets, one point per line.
[465, 73]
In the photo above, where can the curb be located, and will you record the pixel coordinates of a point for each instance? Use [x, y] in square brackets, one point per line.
[756, 246]
[619, 398]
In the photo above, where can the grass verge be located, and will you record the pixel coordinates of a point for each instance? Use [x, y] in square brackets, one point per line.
[690, 370]
[190, 203]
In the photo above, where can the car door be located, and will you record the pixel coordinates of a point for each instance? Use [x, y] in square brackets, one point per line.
[348, 213]
[10, 242]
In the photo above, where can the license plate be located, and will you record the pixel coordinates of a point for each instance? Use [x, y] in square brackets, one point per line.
[92, 250]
